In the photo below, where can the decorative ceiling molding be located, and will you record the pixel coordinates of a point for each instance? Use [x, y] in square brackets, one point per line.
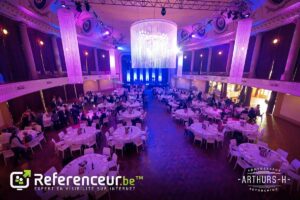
[33, 20]
[279, 18]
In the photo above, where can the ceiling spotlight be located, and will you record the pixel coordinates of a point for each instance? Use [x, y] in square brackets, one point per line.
[41, 42]
[201, 55]
[5, 31]
[86, 53]
[275, 41]
[103, 56]
[87, 5]
[163, 11]
[106, 33]
[193, 35]
[220, 53]
[185, 57]
[78, 6]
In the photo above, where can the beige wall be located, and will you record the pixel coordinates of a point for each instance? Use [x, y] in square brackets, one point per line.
[5, 116]
[90, 85]
[106, 84]
[183, 83]
[288, 107]
[200, 85]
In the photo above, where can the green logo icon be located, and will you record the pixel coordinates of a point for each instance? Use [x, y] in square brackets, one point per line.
[20, 180]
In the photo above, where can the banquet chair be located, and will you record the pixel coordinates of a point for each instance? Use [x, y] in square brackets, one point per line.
[295, 165]
[74, 148]
[60, 147]
[264, 144]
[69, 129]
[114, 173]
[89, 151]
[233, 151]
[128, 123]
[34, 143]
[243, 164]
[105, 120]
[261, 134]
[210, 140]
[138, 142]
[139, 125]
[119, 146]
[113, 162]
[220, 138]
[111, 129]
[92, 142]
[108, 137]
[61, 135]
[283, 153]
[198, 138]
[41, 137]
[7, 154]
[106, 151]
[119, 125]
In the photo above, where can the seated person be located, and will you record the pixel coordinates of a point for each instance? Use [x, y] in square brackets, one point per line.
[17, 146]
[27, 137]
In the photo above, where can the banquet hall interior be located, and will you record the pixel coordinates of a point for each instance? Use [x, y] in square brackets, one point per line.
[184, 97]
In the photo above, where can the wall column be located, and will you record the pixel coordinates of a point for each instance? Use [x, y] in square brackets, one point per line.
[112, 62]
[248, 96]
[192, 61]
[229, 58]
[255, 55]
[26, 46]
[209, 60]
[56, 54]
[96, 60]
[271, 102]
[179, 64]
[293, 53]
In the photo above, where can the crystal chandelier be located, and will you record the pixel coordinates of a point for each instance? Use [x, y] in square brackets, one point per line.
[153, 44]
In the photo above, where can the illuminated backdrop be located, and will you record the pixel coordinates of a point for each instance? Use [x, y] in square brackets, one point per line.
[153, 44]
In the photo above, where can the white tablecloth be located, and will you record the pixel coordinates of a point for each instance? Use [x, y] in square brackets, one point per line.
[120, 135]
[106, 105]
[199, 104]
[184, 114]
[210, 111]
[131, 104]
[173, 104]
[247, 129]
[72, 137]
[128, 116]
[210, 130]
[250, 152]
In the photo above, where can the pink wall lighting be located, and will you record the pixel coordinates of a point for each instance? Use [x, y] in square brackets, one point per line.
[112, 62]
[240, 48]
[70, 45]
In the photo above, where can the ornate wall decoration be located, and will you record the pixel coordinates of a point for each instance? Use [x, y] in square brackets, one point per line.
[274, 5]
[220, 24]
[42, 7]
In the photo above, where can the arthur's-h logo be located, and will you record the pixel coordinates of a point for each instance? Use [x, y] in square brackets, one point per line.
[20, 180]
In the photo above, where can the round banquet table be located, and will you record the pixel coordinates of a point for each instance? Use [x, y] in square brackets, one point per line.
[99, 162]
[212, 112]
[33, 134]
[199, 104]
[173, 104]
[119, 134]
[131, 105]
[182, 113]
[247, 129]
[129, 116]
[210, 131]
[106, 105]
[73, 138]
[250, 152]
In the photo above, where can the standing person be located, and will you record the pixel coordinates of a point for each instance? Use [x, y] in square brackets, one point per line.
[53, 103]
[17, 146]
[55, 119]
